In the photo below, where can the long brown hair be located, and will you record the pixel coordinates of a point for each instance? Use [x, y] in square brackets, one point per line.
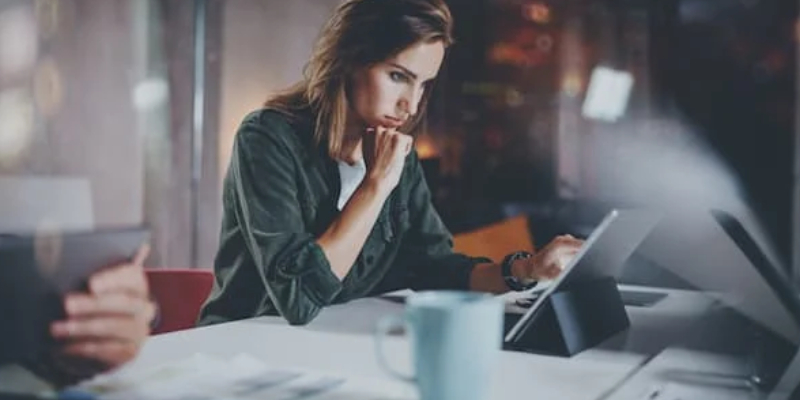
[360, 33]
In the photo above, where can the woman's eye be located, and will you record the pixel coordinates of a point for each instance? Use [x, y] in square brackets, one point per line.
[397, 77]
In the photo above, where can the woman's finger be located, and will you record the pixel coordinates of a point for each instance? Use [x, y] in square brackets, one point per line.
[78, 305]
[110, 274]
[409, 144]
[100, 328]
[125, 277]
[111, 353]
[550, 271]
[554, 272]
[403, 141]
[141, 255]
[128, 278]
[397, 146]
[568, 240]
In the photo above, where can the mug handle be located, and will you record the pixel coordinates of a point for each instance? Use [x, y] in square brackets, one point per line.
[385, 325]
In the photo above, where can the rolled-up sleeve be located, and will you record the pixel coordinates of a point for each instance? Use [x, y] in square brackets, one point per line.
[295, 271]
[428, 246]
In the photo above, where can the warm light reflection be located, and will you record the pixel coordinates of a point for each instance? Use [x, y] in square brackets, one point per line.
[514, 98]
[47, 14]
[797, 30]
[426, 148]
[536, 12]
[48, 88]
[16, 125]
[572, 84]
[507, 53]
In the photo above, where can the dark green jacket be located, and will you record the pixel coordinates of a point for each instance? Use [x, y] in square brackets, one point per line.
[279, 195]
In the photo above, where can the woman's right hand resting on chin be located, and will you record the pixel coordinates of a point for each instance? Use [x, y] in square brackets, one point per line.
[384, 152]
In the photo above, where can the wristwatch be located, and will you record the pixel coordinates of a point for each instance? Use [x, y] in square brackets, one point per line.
[505, 268]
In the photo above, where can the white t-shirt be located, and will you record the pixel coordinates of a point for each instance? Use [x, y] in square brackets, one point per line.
[351, 176]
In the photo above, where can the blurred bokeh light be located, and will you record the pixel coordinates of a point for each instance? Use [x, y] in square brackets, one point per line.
[48, 88]
[18, 42]
[16, 125]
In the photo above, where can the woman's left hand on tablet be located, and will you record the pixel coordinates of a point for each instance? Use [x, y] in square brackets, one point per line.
[107, 325]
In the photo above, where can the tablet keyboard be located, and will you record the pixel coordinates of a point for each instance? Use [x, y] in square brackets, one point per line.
[633, 298]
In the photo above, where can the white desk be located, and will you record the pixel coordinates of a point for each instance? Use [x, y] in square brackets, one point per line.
[339, 341]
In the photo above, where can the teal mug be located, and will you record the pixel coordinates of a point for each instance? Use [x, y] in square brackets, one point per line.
[456, 340]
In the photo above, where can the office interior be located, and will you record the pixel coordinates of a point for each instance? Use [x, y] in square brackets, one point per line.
[546, 115]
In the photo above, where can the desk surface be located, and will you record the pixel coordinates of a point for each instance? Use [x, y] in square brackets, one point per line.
[340, 341]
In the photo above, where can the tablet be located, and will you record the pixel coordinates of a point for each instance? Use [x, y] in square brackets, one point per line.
[602, 255]
[37, 270]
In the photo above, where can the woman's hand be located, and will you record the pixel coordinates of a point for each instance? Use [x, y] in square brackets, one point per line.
[384, 155]
[548, 262]
[107, 326]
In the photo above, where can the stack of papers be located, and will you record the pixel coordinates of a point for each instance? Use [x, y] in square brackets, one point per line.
[242, 377]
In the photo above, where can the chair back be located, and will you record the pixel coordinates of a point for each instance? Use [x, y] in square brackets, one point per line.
[180, 293]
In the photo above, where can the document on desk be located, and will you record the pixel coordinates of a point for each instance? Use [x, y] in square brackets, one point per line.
[678, 391]
[684, 374]
[242, 377]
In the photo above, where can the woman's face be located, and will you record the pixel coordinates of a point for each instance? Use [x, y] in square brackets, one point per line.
[388, 93]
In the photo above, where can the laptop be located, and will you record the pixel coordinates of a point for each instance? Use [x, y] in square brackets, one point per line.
[771, 361]
[788, 386]
[771, 274]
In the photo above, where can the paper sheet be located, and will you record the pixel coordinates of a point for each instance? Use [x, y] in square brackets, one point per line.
[242, 377]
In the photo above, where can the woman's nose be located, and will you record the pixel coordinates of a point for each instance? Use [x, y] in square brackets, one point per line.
[408, 107]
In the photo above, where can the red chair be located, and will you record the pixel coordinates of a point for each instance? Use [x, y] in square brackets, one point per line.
[180, 292]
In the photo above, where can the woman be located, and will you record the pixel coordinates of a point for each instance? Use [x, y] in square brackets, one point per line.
[325, 200]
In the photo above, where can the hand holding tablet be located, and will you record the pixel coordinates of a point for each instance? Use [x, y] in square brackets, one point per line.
[42, 275]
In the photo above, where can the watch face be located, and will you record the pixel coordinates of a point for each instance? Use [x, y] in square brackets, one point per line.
[511, 281]
[513, 284]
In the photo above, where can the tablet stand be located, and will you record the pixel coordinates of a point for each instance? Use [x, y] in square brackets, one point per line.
[574, 319]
